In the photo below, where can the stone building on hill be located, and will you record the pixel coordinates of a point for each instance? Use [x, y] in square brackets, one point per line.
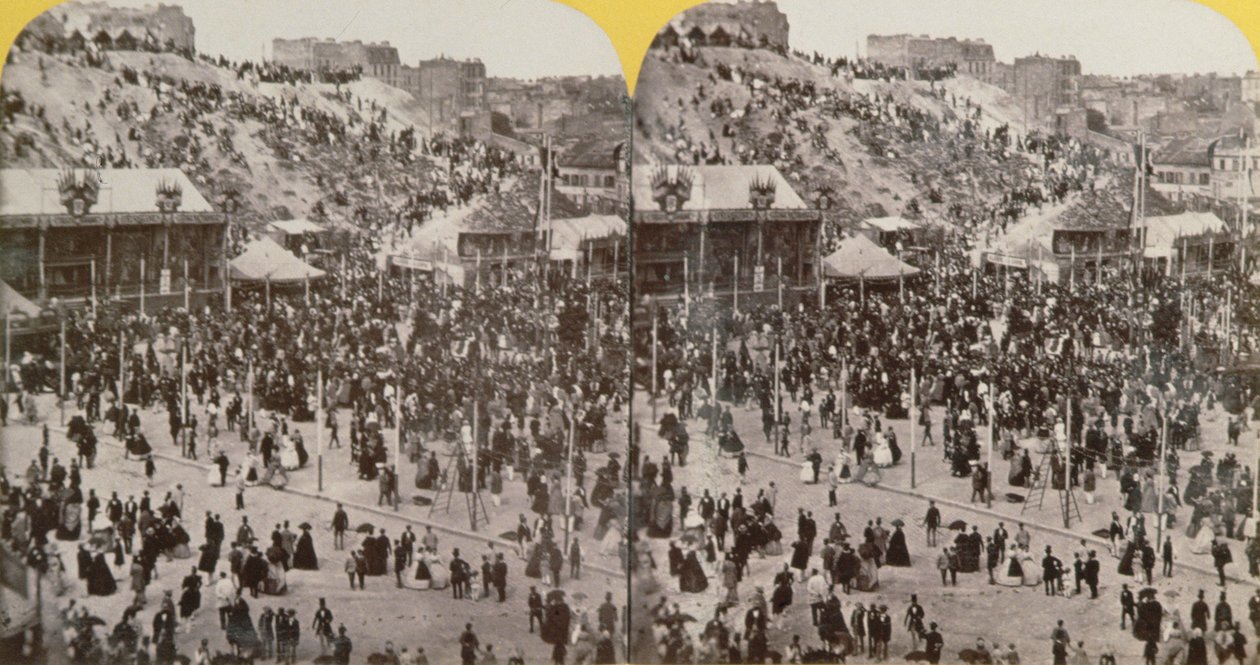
[109, 28]
[974, 57]
[747, 23]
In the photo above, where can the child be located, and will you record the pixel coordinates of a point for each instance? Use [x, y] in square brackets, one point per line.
[150, 469]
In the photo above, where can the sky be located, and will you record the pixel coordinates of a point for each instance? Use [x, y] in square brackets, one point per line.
[514, 38]
[1113, 37]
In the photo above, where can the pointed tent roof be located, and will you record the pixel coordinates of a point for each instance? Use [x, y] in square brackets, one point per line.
[860, 257]
[264, 259]
[14, 303]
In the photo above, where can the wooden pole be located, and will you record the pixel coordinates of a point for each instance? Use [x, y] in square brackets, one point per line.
[183, 393]
[398, 430]
[686, 286]
[653, 360]
[306, 287]
[62, 389]
[779, 279]
[914, 389]
[568, 481]
[988, 472]
[1067, 480]
[1163, 476]
[319, 428]
[142, 276]
[713, 389]
[94, 288]
[267, 288]
[736, 283]
[187, 288]
[778, 416]
[476, 489]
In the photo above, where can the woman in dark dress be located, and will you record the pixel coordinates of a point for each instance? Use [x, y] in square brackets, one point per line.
[800, 555]
[898, 554]
[692, 579]
[209, 559]
[240, 630]
[85, 562]
[782, 596]
[101, 578]
[676, 559]
[304, 555]
[190, 598]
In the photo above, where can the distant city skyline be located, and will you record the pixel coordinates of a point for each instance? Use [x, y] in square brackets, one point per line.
[1109, 37]
[524, 39]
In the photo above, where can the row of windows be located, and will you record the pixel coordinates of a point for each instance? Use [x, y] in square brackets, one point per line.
[579, 180]
[1235, 164]
[1180, 178]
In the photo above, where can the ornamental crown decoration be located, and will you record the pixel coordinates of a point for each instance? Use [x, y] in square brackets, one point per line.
[169, 196]
[671, 192]
[78, 190]
[824, 196]
[761, 192]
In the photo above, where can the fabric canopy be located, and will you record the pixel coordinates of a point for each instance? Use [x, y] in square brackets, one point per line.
[264, 260]
[1163, 233]
[859, 257]
[296, 227]
[891, 224]
[13, 303]
[568, 234]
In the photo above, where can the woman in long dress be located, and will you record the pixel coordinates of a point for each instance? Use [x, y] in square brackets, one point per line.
[1014, 575]
[868, 573]
[304, 555]
[275, 582]
[883, 454]
[439, 572]
[288, 454]
[1031, 569]
[421, 576]
[898, 555]
[179, 542]
[692, 578]
[1202, 543]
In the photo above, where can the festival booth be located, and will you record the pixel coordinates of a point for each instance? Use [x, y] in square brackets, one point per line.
[588, 246]
[20, 314]
[294, 234]
[266, 262]
[893, 232]
[860, 259]
[1190, 243]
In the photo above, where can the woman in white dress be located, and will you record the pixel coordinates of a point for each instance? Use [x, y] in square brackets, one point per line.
[1202, 543]
[1013, 574]
[441, 573]
[883, 453]
[1032, 569]
[288, 454]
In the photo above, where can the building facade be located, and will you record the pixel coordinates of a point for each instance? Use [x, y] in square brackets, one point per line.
[1043, 84]
[378, 60]
[124, 228]
[745, 23]
[973, 57]
[721, 228]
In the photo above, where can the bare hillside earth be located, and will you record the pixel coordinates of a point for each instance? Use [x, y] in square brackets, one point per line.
[879, 145]
[289, 149]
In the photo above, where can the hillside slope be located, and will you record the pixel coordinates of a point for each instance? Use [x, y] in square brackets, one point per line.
[287, 148]
[878, 145]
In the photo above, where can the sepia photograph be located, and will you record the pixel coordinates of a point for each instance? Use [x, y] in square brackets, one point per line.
[398, 332]
[944, 334]
[316, 334]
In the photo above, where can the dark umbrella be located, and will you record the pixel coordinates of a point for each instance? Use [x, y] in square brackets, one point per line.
[898, 522]
[366, 527]
[1012, 497]
[304, 525]
[958, 525]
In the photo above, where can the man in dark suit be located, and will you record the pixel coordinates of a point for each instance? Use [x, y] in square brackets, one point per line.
[500, 574]
[1092, 568]
[1050, 566]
